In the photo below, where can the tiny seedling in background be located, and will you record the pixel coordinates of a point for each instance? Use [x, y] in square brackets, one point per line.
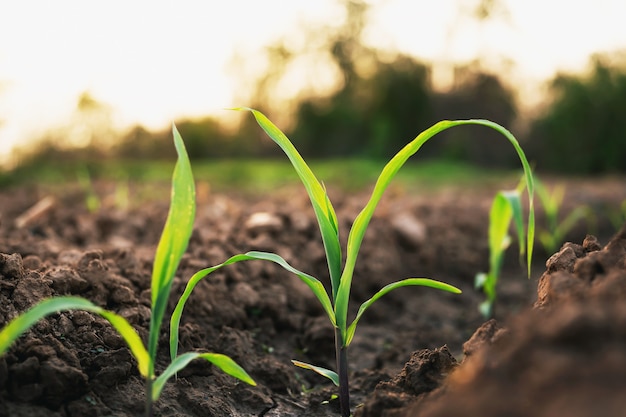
[341, 273]
[122, 194]
[92, 201]
[171, 247]
[506, 208]
[553, 235]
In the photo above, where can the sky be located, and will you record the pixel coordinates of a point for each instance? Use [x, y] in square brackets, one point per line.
[152, 61]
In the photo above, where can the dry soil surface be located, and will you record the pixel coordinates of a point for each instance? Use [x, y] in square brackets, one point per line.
[558, 346]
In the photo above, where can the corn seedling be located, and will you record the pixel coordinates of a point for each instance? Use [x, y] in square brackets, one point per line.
[554, 234]
[171, 247]
[506, 208]
[92, 201]
[336, 304]
[121, 197]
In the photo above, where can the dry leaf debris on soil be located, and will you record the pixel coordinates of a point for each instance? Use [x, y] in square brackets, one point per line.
[416, 353]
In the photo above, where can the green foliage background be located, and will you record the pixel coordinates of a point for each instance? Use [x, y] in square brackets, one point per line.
[584, 128]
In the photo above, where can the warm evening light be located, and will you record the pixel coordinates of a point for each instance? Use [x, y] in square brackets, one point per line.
[153, 61]
[333, 208]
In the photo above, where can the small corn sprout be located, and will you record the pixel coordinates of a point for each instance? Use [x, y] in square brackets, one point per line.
[506, 208]
[171, 247]
[554, 234]
[335, 304]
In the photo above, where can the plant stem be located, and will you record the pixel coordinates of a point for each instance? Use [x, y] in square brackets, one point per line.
[341, 352]
[149, 397]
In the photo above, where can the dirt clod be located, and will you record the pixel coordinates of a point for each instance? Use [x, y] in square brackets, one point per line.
[565, 358]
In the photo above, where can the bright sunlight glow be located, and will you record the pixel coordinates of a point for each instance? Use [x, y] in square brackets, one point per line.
[153, 61]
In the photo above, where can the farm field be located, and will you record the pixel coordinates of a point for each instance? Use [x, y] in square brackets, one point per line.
[410, 354]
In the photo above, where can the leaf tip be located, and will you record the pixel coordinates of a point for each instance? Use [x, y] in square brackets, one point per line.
[239, 108]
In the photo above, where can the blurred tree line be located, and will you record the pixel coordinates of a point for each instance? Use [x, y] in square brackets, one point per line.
[583, 130]
[380, 102]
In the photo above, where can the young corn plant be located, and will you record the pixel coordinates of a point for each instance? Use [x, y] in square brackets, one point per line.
[554, 233]
[92, 201]
[171, 247]
[335, 304]
[506, 208]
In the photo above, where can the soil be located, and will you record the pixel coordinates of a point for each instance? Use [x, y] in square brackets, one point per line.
[557, 347]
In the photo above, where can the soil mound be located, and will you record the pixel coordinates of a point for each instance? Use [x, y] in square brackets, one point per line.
[565, 357]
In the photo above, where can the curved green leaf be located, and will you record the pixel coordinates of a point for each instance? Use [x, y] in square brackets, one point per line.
[515, 201]
[361, 222]
[132, 339]
[313, 283]
[571, 219]
[479, 280]
[324, 211]
[174, 239]
[506, 205]
[486, 308]
[332, 375]
[500, 216]
[20, 324]
[226, 364]
[556, 231]
[551, 202]
[423, 282]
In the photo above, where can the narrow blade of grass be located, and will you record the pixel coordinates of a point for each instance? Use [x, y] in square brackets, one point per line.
[132, 339]
[223, 362]
[25, 321]
[423, 282]
[514, 199]
[313, 283]
[500, 217]
[174, 239]
[361, 222]
[324, 211]
[332, 375]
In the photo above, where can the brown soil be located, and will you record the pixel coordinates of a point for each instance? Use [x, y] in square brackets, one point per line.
[565, 356]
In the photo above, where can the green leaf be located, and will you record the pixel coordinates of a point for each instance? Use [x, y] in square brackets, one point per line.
[25, 321]
[551, 202]
[326, 218]
[486, 308]
[389, 171]
[313, 283]
[530, 239]
[500, 216]
[547, 240]
[515, 202]
[480, 280]
[132, 339]
[223, 362]
[174, 239]
[571, 219]
[422, 282]
[332, 397]
[499, 221]
[332, 375]
[324, 211]
[506, 207]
